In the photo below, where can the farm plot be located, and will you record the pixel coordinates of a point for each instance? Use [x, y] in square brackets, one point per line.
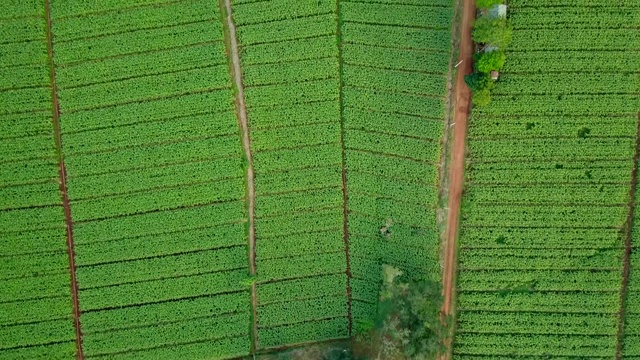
[36, 316]
[548, 178]
[395, 62]
[155, 178]
[290, 68]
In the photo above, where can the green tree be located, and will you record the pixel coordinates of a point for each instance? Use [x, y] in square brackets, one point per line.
[485, 4]
[481, 97]
[408, 323]
[478, 81]
[486, 62]
[491, 31]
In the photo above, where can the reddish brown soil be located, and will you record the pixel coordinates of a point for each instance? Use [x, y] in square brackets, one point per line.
[626, 266]
[345, 211]
[62, 173]
[241, 111]
[456, 170]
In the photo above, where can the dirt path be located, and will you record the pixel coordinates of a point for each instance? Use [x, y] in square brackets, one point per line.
[456, 171]
[62, 174]
[626, 266]
[345, 197]
[241, 110]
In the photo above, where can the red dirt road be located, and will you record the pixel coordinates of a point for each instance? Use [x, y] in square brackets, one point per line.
[456, 171]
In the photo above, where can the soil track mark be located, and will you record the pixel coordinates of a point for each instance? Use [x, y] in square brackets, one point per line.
[626, 265]
[62, 173]
[241, 111]
[345, 197]
[456, 170]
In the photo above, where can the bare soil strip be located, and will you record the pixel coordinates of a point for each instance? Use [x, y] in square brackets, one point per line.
[241, 111]
[62, 172]
[345, 197]
[456, 170]
[626, 266]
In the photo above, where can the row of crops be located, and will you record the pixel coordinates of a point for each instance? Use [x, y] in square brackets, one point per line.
[395, 62]
[547, 189]
[36, 318]
[289, 60]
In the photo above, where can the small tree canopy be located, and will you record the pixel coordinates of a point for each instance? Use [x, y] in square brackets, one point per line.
[479, 81]
[408, 323]
[490, 31]
[481, 97]
[487, 62]
[485, 4]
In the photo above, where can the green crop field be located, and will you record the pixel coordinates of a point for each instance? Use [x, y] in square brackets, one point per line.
[142, 116]
[223, 179]
[547, 189]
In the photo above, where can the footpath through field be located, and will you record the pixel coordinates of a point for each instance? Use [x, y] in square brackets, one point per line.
[456, 170]
[241, 109]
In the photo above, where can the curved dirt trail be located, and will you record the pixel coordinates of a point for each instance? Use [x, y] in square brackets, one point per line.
[456, 171]
[241, 111]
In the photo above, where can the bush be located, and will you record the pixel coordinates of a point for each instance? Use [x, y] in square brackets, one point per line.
[479, 81]
[481, 97]
[485, 4]
[486, 62]
[490, 31]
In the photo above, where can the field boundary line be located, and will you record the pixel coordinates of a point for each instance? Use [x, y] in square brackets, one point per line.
[233, 56]
[626, 261]
[345, 196]
[62, 171]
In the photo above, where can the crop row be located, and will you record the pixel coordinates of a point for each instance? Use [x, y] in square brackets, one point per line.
[571, 149]
[143, 88]
[397, 14]
[556, 126]
[290, 29]
[586, 194]
[129, 20]
[219, 326]
[302, 310]
[566, 84]
[559, 170]
[261, 12]
[543, 302]
[539, 323]
[146, 40]
[571, 61]
[395, 58]
[606, 18]
[315, 331]
[529, 345]
[526, 259]
[540, 237]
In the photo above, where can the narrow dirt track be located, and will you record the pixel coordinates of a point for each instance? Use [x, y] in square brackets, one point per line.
[626, 261]
[62, 177]
[345, 197]
[456, 171]
[241, 110]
